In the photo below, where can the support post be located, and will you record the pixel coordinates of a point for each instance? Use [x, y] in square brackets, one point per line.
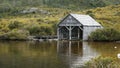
[58, 33]
[58, 47]
[70, 33]
[78, 33]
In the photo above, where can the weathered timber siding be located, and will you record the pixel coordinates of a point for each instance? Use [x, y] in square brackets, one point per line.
[87, 30]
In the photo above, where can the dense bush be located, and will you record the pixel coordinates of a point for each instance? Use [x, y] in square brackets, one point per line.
[18, 34]
[107, 34]
[14, 25]
[102, 62]
[97, 3]
[41, 30]
[15, 35]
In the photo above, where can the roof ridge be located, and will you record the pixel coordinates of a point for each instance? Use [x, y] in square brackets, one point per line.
[78, 14]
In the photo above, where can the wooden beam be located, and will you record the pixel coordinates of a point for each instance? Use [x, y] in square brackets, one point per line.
[80, 28]
[67, 27]
[72, 27]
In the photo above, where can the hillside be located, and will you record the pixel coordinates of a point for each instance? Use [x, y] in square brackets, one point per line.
[43, 20]
[15, 5]
[108, 16]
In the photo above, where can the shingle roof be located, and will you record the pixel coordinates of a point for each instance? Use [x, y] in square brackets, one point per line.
[85, 20]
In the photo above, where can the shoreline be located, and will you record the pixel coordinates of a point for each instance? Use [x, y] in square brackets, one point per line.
[55, 39]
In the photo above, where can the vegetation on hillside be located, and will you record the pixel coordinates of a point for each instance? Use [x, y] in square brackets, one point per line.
[9, 5]
[34, 21]
[42, 20]
[109, 17]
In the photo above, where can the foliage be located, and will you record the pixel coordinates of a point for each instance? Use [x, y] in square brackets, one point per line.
[11, 5]
[97, 3]
[5, 7]
[107, 16]
[15, 35]
[40, 30]
[107, 34]
[102, 62]
[45, 19]
[14, 25]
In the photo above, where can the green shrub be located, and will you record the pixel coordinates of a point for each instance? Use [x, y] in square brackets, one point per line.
[48, 30]
[18, 34]
[107, 34]
[102, 62]
[14, 25]
[40, 30]
[34, 30]
[15, 35]
[5, 7]
[54, 26]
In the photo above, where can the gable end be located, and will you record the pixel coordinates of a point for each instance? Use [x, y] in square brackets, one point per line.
[69, 20]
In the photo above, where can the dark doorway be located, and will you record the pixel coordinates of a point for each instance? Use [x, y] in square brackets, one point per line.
[77, 33]
[64, 33]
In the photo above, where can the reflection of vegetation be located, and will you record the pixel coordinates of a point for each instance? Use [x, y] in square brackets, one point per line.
[26, 49]
[108, 34]
[106, 48]
[14, 54]
[102, 62]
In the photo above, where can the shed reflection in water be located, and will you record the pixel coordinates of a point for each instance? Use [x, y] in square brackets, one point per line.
[75, 53]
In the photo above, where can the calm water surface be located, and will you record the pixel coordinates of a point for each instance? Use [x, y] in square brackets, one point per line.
[55, 54]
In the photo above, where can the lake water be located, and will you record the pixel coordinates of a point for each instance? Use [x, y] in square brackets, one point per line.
[54, 54]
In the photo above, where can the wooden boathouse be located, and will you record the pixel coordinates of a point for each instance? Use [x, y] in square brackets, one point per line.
[76, 27]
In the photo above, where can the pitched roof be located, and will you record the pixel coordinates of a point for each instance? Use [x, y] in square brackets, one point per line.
[85, 20]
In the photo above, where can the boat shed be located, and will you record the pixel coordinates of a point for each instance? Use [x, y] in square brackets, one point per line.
[76, 27]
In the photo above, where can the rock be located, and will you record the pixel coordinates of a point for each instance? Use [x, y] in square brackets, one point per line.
[31, 10]
[34, 10]
[43, 12]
